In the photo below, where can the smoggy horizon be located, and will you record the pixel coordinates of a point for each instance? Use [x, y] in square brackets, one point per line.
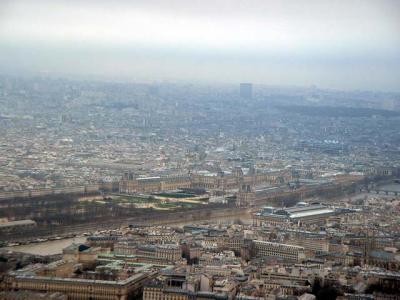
[331, 44]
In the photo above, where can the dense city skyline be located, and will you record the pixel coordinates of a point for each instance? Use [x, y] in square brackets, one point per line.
[199, 150]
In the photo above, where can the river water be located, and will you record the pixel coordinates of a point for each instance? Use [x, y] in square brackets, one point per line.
[393, 187]
[55, 247]
[48, 247]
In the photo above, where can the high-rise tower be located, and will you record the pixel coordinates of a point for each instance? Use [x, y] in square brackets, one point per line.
[246, 90]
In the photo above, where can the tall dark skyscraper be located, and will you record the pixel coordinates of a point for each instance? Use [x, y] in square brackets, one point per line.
[246, 90]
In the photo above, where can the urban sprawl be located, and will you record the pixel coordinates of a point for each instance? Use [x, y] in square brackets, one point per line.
[181, 191]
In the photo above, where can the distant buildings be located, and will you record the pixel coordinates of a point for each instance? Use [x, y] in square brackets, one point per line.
[284, 251]
[279, 260]
[166, 253]
[246, 90]
[222, 181]
[194, 138]
[9, 226]
[130, 184]
[301, 214]
[82, 275]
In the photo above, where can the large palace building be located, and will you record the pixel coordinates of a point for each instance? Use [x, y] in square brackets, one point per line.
[223, 181]
[79, 288]
[83, 273]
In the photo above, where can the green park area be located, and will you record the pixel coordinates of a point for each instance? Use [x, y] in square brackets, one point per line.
[175, 195]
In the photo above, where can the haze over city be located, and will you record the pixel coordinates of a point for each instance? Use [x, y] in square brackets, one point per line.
[332, 44]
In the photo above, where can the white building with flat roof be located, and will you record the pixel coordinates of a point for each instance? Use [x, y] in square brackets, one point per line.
[284, 251]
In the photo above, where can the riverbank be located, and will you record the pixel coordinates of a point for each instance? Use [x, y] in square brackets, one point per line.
[56, 246]
[46, 248]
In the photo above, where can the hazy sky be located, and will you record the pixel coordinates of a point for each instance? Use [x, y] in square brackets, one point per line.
[340, 44]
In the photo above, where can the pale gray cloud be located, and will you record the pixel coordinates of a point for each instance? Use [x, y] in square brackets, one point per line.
[314, 41]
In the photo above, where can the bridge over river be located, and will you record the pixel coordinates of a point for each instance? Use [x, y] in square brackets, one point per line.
[388, 188]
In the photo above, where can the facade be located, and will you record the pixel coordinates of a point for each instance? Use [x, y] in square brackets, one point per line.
[84, 273]
[311, 243]
[150, 253]
[159, 293]
[245, 196]
[284, 251]
[170, 253]
[201, 180]
[77, 289]
[131, 185]
[10, 226]
[235, 243]
[107, 241]
[27, 295]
